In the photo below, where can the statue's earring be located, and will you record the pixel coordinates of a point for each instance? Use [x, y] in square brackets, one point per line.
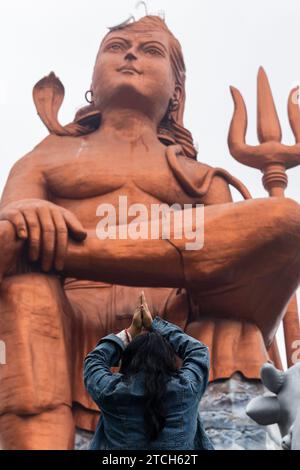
[173, 106]
[90, 99]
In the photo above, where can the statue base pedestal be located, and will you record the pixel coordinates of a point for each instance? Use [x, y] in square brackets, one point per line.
[223, 413]
[82, 439]
[224, 417]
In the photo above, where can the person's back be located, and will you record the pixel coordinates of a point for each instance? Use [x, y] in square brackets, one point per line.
[149, 403]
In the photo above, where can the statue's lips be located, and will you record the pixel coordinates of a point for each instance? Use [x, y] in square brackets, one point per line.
[129, 69]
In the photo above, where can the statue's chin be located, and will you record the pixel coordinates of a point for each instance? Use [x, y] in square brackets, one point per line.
[130, 92]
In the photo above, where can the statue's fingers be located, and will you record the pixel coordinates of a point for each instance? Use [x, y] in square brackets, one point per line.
[74, 225]
[48, 237]
[34, 230]
[19, 222]
[61, 239]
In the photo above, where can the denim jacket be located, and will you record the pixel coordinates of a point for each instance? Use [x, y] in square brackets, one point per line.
[121, 424]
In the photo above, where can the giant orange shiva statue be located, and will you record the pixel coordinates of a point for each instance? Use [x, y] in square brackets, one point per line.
[62, 287]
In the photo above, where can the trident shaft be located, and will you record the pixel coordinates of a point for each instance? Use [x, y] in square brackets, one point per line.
[273, 159]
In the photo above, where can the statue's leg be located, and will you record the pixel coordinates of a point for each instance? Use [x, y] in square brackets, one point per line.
[249, 246]
[35, 391]
[48, 430]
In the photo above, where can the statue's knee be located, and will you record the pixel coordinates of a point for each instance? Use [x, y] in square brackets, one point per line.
[13, 284]
[33, 303]
[28, 288]
[282, 210]
[281, 220]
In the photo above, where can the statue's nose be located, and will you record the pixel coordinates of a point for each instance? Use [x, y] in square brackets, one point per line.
[130, 56]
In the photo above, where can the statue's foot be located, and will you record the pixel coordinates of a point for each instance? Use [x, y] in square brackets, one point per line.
[10, 248]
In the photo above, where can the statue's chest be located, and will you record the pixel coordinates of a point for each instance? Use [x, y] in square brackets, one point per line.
[90, 175]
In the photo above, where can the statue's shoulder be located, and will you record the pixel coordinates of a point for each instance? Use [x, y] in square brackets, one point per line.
[56, 143]
[52, 148]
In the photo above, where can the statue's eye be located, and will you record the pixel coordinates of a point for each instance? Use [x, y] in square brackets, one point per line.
[114, 47]
[153, 51]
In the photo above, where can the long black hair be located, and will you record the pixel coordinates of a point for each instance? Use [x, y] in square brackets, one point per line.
[151, 352]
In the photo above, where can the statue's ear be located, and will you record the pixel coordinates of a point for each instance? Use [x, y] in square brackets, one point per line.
[264, 410]
[177, 97]
[271, 377]
[177, 92]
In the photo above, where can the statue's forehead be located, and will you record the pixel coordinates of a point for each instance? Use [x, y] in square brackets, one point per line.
[133, 36]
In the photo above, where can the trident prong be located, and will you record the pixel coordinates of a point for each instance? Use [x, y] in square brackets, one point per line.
[268, 125]
[270, 150]
[294, 112]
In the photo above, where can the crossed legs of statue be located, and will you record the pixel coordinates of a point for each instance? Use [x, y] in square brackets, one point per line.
[249, 246]
[47, 334]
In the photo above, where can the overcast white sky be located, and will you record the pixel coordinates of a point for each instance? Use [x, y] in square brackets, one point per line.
[224, 43]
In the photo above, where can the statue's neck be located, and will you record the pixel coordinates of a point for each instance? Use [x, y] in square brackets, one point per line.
[129, 126]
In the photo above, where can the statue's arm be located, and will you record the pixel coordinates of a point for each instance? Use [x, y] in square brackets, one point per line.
[25, 180]
[45, 225]
[207, 185]
[218, 193]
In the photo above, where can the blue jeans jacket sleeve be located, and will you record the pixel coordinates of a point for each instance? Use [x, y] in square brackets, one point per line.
[195, 355]
[96, 371]
[107, 353]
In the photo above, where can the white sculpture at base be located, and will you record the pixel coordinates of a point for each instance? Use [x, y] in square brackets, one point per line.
[281, 405]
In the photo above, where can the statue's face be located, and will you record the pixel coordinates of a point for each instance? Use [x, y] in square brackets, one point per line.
[134, 69]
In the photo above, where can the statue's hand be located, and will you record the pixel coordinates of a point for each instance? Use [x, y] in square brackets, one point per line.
[46, 226]
[11, 248]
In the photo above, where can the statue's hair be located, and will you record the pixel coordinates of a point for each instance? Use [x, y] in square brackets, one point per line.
[171, 129]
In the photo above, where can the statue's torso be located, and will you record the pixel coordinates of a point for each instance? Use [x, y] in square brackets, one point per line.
[80, 174]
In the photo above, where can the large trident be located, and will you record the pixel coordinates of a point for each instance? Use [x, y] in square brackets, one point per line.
[273, 159]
